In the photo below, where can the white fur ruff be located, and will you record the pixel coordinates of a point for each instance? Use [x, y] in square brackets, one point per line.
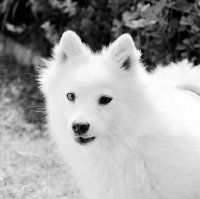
[147, 139]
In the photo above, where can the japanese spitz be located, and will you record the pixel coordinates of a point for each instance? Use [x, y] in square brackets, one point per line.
[125, 133]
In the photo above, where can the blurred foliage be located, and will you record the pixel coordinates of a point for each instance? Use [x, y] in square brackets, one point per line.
[165, 30]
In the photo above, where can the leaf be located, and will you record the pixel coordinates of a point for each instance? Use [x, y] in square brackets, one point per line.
[134, 24]
[16, 4]
[184, 54]
[186, 41]
[158, 41]
[174, 23]
[127, 16]
[195, 28]
[180, 47]
[183, 21]
[182, 5]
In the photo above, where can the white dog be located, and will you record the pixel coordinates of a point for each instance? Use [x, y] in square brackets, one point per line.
[126, 134]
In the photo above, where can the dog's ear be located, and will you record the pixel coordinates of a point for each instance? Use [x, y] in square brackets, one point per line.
[123, 52]
[70, 46]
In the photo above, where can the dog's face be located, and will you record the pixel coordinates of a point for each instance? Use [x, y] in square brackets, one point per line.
[89, 99]
[86, 93]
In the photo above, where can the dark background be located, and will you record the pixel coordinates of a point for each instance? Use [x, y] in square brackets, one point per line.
[164, 30]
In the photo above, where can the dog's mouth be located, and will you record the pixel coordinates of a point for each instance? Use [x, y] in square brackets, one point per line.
[84, 140]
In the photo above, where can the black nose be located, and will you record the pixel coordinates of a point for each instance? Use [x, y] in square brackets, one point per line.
[80, 128]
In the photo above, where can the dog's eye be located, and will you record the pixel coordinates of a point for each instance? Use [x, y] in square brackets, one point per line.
[105, 100]
[71, 96]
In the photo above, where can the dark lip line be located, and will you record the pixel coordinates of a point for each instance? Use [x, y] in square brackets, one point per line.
[84, 137]
[86, 141]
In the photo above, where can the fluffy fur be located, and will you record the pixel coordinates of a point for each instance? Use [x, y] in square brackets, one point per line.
[147, 142]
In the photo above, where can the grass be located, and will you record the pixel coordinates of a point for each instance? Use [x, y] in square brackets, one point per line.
[28, 168]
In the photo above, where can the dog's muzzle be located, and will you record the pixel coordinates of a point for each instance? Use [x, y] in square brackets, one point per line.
[80, 131]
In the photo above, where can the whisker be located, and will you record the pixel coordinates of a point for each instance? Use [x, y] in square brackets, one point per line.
[30, 75]
[37, 111]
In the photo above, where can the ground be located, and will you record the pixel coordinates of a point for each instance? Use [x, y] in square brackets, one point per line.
[29, 168]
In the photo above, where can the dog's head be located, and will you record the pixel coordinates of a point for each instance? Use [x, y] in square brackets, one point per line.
[90, 95]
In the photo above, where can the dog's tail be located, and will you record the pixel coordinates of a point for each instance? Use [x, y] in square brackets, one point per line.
[182, 75]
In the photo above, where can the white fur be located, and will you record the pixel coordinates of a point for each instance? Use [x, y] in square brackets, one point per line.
[147, 142]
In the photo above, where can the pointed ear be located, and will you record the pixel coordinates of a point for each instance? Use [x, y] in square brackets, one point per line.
[123, 52]
[70, 45]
